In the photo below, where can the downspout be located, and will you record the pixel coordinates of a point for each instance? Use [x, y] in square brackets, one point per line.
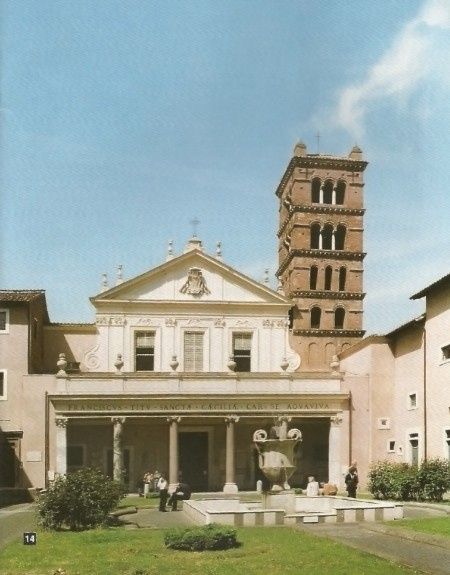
[350, 428]
[425, 430]
[46, 441]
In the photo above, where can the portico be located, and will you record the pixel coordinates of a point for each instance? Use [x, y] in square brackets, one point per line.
[206, 441]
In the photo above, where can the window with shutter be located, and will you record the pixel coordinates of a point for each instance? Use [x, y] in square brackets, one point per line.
[193, 351]
[242, 351]
[145, 350]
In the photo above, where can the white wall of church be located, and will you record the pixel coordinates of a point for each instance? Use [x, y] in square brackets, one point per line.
[269, 340]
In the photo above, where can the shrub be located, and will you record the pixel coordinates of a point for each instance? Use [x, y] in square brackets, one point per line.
[433, 479]
[81, 500]
[404, 482]
[205, 538]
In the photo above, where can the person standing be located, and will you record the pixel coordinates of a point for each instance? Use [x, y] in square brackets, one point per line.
[163, 487]
[351, 480]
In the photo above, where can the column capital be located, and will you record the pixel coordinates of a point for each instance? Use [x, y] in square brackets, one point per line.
[116, 420]
[232, 418]
[61, 421]
[336, 420]
[174, 419]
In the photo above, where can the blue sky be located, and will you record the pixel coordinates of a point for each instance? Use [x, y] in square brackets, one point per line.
[122, 120]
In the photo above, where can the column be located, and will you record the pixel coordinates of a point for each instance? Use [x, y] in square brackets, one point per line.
[333, 240]
[173, 451]
[118, 468]
[230, 479]
[321, 195]
[333, 196]
[61, 445]
[320, 238]
[334, 450]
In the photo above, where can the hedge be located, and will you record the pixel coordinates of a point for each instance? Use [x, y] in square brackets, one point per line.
[206, 538]
[404, 482]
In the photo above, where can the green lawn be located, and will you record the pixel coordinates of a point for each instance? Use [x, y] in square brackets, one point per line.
[431, 525]
[278, 551]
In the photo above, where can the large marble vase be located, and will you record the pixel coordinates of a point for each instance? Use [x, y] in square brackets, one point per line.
[276, 456]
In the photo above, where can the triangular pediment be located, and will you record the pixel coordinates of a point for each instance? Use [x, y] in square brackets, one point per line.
[192, 277]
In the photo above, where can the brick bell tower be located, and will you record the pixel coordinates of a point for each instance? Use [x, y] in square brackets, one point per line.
[320, 252]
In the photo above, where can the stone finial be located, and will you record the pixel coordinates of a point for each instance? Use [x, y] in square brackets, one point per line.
[231, 363]
[284, 364]
[119, 278]
[300, 149]
[280, 289]
[174, 363]
[219, 250]
[266, 277]
[118, 364]
[104, 282]
[61, 364]
[170, 254]
[356, 153]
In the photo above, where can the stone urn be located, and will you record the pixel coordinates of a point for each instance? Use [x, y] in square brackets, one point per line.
[276, 456]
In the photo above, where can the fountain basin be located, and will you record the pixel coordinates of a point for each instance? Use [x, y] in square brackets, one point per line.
[305, 510]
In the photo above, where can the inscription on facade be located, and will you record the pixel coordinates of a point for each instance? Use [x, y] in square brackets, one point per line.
[155, 406]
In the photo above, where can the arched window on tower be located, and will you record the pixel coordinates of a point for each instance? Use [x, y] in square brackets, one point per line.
[315, 235]
[342, 278]
[340, 192]
[313, 277]
[315, 190]
[327, 234]
[339, 317]
[328, 275]
[316, 312]
[340, 237]
[328, 192]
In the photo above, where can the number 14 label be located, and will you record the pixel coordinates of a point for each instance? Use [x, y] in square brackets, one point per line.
[29, 538]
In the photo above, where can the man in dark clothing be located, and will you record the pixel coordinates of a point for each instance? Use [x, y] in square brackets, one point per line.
[183, 491]
[163, 486]
[351, 480]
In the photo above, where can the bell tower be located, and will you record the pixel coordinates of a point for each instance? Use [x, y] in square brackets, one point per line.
[320, 252]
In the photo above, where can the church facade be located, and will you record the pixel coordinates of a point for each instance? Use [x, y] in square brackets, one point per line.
[184, 362]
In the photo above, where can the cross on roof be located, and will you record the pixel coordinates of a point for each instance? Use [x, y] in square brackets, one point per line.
[194, 223]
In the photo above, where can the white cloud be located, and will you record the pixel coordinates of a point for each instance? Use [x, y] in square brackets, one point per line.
[400, 69]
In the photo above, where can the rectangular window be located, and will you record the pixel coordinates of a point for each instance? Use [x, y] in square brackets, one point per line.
[391, 446]
[412, 398]
[445, 352]
[145, 350]
[242, 351]
[414, 448]
[447, 441]
[2, 384]
[75, 456]
[4, 320]
[193, 351]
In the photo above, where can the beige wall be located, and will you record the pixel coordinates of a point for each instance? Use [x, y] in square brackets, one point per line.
[14, 358]
[438, 371]
[74, 341]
